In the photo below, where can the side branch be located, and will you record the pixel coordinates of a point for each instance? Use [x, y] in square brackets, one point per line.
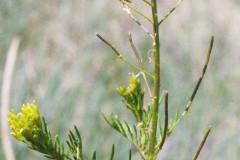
[149, 3]
[137, 11]
[202, 75]
[121, 57]
[197, 86]
[130, 15]
[168, 14]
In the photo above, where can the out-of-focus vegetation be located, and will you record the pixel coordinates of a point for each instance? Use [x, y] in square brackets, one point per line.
[72, 76]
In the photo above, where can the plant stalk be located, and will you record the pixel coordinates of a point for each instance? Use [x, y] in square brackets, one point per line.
[154, 108]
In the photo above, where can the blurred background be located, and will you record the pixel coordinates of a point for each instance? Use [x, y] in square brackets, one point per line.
[72, 75]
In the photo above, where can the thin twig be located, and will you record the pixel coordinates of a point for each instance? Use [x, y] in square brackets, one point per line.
[6, 85]
[121, 57]
[149, 3]
[202, 143]
[137, 11]
[168, 14]
[197, 86]
[130, 15]
[139, 61]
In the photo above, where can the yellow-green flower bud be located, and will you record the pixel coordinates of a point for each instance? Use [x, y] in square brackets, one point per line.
[135, 84]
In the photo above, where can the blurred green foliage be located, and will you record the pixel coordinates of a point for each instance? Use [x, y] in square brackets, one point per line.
[72, 76]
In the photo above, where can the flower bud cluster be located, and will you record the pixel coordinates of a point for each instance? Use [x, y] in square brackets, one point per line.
[27, 125]
[133, 97]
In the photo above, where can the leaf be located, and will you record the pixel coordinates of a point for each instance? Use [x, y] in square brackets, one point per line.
[74, 143]
[130, 132]
[112, 153]
[114, 122]
[136, 134]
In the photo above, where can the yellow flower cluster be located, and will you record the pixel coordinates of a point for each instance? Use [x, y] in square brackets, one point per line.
[27, 124]
[133, 97]
[134, 87]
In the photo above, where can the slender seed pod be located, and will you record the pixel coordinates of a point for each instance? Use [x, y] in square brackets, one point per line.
[129, 1]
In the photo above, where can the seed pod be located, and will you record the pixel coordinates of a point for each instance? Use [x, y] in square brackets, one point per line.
[129, 1]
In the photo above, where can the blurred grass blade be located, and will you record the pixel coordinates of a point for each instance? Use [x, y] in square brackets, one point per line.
[94, 156]
[130, 155]
[5, 95]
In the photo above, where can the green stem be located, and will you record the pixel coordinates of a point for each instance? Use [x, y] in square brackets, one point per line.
[154, 109]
